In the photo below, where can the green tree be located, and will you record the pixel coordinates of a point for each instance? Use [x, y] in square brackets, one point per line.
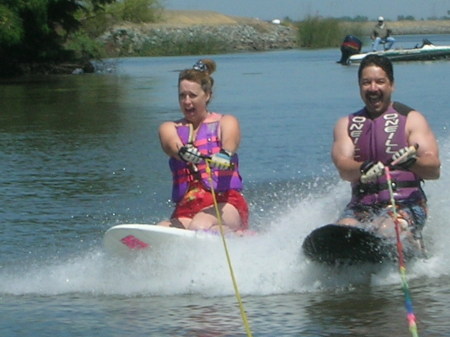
[11, 30]
[34, 31]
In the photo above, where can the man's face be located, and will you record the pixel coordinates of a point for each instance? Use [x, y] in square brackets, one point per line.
[375, 89]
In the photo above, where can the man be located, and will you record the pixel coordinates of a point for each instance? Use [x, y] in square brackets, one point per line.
[381, 34]
[381, 134]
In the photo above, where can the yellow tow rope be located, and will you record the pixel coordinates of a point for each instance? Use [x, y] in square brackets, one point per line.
[222, 234]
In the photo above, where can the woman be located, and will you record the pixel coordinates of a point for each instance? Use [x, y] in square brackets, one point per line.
[198, 140]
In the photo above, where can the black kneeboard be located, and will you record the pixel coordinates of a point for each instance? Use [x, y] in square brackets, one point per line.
[341, 244]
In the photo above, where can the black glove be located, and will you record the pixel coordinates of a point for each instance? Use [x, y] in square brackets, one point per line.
[405, 158]
[190, 154]
[370, 171]
[221, 160]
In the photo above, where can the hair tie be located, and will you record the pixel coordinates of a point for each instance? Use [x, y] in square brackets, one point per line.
[200, 66]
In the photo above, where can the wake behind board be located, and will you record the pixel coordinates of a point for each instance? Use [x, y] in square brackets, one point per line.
[129, 238]
[340, 244]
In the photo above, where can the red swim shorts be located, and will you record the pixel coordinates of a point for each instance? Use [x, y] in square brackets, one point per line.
[198, 198]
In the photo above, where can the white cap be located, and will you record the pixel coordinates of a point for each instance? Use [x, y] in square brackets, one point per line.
[380, 18]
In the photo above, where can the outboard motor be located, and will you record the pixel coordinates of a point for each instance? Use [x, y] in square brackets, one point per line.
[350, 46]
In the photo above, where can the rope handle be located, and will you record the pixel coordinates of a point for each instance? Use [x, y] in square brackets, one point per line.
[209, 161]
[411, 150]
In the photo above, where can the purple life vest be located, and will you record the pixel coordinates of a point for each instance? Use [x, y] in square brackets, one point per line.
[208, 143]
[377, 140]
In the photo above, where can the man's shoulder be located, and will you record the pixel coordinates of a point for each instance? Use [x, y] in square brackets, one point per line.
[359, 112]
[401, 108]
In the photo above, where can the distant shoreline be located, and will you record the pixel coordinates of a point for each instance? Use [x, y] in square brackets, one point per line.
[233, 34]
[180, 18]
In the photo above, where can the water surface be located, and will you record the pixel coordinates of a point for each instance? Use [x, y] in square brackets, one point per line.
[80, 154]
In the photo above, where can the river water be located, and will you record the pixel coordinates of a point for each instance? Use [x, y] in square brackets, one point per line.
[80, 154]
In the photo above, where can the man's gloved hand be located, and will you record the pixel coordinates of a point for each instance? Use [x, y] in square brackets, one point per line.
[221, 160]
[405, 158]
[370, 171]
[190, 154]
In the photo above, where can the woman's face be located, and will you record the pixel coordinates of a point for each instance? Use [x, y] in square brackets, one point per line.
[193, 101]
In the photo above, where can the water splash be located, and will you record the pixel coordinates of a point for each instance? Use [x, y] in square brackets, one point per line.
[268, 263]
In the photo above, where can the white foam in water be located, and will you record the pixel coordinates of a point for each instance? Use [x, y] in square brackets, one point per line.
[268, 263]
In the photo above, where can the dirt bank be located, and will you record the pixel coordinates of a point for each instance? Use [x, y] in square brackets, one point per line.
[186, 17]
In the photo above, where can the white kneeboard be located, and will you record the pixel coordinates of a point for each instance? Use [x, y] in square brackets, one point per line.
[125, 239]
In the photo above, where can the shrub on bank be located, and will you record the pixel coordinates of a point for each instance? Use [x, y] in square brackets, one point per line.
[94, 23]
[316, 32]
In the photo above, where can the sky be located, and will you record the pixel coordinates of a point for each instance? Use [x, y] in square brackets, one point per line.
[299, 9]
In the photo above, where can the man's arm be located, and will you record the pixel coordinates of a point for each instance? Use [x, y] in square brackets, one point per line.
[343, 151]
[374, 34]
[419, 132]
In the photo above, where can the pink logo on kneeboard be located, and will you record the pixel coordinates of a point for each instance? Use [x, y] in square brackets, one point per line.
[133, 242]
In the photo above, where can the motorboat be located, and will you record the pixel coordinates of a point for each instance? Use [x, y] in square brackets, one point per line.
[421, 52]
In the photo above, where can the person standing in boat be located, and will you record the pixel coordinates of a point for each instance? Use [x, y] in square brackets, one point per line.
[381, 34]
[199, 139]
[370, 139]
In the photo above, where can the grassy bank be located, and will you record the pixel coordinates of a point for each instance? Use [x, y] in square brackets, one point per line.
[317, 32]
